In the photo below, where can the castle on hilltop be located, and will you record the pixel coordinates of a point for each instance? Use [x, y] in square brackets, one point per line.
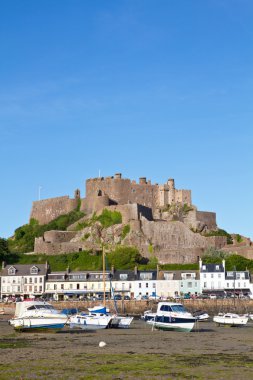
[102, 192]
[149, 210]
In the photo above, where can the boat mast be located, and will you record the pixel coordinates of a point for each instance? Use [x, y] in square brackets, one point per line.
[103, 273]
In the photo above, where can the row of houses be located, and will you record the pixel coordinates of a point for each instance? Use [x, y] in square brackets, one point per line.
[36, 280]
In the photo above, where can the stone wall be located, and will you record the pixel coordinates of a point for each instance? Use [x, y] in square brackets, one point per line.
[201, 220]
[58, 236]
[49, 209]
[207, 218]
[41, 246]
[173, 242]
[245, 251]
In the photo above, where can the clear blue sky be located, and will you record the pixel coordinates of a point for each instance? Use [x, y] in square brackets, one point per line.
[157, 88]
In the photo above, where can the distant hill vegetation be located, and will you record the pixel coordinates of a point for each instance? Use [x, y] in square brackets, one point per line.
[23, 239]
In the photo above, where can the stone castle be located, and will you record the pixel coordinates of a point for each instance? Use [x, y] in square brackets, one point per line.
[163, 222]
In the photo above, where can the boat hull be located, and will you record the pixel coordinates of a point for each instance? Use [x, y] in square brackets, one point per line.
[121, 322]
[230, 321]
[172, 324]
[22, 324]
[87, 322]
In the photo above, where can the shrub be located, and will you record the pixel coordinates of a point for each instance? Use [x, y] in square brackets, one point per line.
[109, 218]
[125, 231]
[220, 232]
[24, 236]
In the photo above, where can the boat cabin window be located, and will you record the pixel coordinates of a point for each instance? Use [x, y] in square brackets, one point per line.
[166, 308]
[178, 308]
[31, 308]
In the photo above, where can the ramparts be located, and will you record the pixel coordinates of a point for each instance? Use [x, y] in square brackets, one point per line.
[49, 209]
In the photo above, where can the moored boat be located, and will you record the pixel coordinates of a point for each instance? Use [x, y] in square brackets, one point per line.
[89, 321]
[172, 317]
[230, 319]
[117, 321]
[201, 315]
[33, 314]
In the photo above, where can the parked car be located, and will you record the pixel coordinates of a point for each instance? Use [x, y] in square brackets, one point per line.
[213, 296]
[127, 298]
[117, 297]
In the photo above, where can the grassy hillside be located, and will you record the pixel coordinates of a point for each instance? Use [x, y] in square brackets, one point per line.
[23, 239]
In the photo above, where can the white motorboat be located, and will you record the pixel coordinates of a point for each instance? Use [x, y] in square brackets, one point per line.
[172, 316]
[201, 315]
[89, 321]
[230, 319]
[33, 314]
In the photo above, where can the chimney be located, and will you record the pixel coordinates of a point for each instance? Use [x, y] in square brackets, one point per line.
[223, 264]
[157, 270]
[3, 264]
[68, 269]
[200, 264]
[117, 176]
[135, 270]
[112, 269]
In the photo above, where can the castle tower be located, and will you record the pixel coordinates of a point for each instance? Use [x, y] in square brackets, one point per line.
[77, 194]
[171, 186]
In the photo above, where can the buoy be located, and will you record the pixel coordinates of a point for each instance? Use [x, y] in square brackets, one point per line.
[102, 344]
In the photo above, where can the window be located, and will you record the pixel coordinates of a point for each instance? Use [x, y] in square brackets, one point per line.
[55, 287]
[146, 284]
[40, 288]
[139, 284]
[204, 275]
[78, 286]
[35, 288]
[239, 284]
[153, 285]
[30, 280]
[34, 270]
[35, 280]
[219, 275]
[30, 288]
[41, 279]
[244, 285]
[11, 270]
[71, 286]
[227, 284]
[204, 267]
[182, 284]
[62, 286]
[25, 280]
[146, 276]
[212, 275]
[217, 267]
[123, 276]
[205, 284]
[189, 284]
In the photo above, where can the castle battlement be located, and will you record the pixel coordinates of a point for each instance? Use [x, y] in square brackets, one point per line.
[112, 190]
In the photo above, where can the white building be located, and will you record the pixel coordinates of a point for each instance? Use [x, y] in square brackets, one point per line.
[215, 279]
[23, 280]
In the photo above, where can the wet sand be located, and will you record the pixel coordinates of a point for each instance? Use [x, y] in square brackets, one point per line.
[208, 352]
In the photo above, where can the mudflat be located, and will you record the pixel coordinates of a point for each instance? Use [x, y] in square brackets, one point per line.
[208, 352]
